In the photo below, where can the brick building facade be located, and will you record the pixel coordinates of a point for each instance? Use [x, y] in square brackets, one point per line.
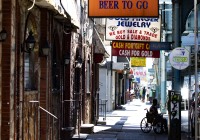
[41, 95]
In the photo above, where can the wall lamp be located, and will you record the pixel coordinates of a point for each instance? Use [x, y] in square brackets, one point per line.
[3, 35]
[29, 43]
[67, 58]
[45, 49]
[78, 62]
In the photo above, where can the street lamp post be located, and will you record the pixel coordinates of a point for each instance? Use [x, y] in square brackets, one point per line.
[176, 37]
[176, 32]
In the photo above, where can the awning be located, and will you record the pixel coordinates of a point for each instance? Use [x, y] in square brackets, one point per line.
[123, 59]
[71, 8]
[53, 5]
[56, 6]
[100, 53]
[98, 43]
[99, 47]
[118, 66]
[98, 58]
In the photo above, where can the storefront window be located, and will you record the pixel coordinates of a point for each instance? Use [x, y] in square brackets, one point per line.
[30, 62]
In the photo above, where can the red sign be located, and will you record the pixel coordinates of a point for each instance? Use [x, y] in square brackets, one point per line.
[131, 49]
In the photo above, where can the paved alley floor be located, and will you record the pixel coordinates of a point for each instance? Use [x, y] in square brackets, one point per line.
[124, 124]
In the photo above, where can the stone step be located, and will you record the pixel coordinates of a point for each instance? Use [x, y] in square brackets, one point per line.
[79, 137]
[87, 128]
[101, 122]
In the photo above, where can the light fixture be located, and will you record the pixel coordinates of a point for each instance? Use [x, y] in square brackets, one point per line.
[3, 35]
[29, 43]
[67, 28]
[66, 58]
[78, 62]
[45, 49]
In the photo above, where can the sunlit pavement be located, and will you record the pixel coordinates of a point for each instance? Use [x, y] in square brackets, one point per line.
[124, 124]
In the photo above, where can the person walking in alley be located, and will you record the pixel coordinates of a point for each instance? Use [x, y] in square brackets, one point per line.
[143, 94]
[147, 93]
[136, 91]
[140, 94]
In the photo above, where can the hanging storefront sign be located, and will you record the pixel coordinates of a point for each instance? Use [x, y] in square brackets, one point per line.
[124, 8]
[138, 61]
[179, 58]
[140, 75]
[133, 29]
[160, 46]
[131, 49]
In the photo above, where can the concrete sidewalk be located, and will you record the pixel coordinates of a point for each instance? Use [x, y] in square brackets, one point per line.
[124, 124]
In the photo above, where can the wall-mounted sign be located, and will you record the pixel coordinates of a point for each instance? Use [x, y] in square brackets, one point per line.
[131, 49]
[138, 61]
[133, 29]
[123, 8]
[179, 58]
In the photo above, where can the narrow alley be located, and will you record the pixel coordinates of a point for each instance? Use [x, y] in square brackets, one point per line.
[124, 124]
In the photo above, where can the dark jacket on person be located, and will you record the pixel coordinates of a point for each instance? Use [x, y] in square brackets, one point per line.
[154, 109]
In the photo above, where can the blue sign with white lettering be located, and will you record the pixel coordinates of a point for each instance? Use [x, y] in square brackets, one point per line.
[154, 46]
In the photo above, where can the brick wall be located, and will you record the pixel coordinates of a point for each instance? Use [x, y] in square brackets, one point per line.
[6, 69]
[43, 79]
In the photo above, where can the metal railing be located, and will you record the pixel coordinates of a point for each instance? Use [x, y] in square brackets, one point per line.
[102, 108]
[54, 119]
